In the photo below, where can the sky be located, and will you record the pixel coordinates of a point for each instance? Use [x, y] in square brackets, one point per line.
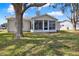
[6, 10]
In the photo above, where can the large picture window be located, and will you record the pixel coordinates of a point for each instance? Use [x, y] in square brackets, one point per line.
[51, 25]
[38, 25]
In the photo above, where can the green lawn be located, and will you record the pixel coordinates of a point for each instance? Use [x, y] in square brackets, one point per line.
[42, 44]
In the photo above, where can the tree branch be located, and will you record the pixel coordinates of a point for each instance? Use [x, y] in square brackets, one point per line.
[27, 5]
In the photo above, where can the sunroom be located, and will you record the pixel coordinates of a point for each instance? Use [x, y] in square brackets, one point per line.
[44, 24]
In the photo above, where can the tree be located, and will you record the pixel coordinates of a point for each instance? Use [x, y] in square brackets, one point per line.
[72, 8]
[20, 8]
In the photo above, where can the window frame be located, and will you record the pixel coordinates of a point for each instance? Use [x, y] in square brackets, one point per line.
[52, 25]
[38, 25]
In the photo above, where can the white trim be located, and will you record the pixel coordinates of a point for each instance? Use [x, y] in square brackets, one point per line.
[56, 25]
[43, 25]
[48, 24]
[33, 25]
[45, 31]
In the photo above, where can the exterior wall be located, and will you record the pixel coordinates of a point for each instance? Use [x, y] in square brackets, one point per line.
[77, 26]
[26, 25]
[12, 25]
[66, 25]
[57, 26]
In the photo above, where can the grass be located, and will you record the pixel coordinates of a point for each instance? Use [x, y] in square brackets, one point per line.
[40, 44]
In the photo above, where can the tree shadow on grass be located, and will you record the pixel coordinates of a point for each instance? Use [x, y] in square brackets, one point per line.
[41, 51]
[47, 47]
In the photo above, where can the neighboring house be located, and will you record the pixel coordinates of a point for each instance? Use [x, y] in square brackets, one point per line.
[3, 26]
[41, 23]
[67, 25]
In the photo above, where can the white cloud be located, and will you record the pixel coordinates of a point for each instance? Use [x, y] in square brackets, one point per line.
[56, 13]
[10, 9]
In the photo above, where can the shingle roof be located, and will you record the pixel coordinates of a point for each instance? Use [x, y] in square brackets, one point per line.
[44, 15]
[30, 18]
[13, 17]
[64, 21]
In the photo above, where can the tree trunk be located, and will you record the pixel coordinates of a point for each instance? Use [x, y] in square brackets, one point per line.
[19, 26]
[74, 26]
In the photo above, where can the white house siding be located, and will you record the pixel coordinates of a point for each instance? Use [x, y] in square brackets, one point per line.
[77, 26]
[66, 25]
[57, 26]
[11, 26]
[26, 25]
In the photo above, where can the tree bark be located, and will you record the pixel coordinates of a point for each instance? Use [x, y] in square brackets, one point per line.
[19, 26]
[74, 26]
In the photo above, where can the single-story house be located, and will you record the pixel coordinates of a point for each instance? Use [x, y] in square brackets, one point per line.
[67, 25]
[41, 23]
